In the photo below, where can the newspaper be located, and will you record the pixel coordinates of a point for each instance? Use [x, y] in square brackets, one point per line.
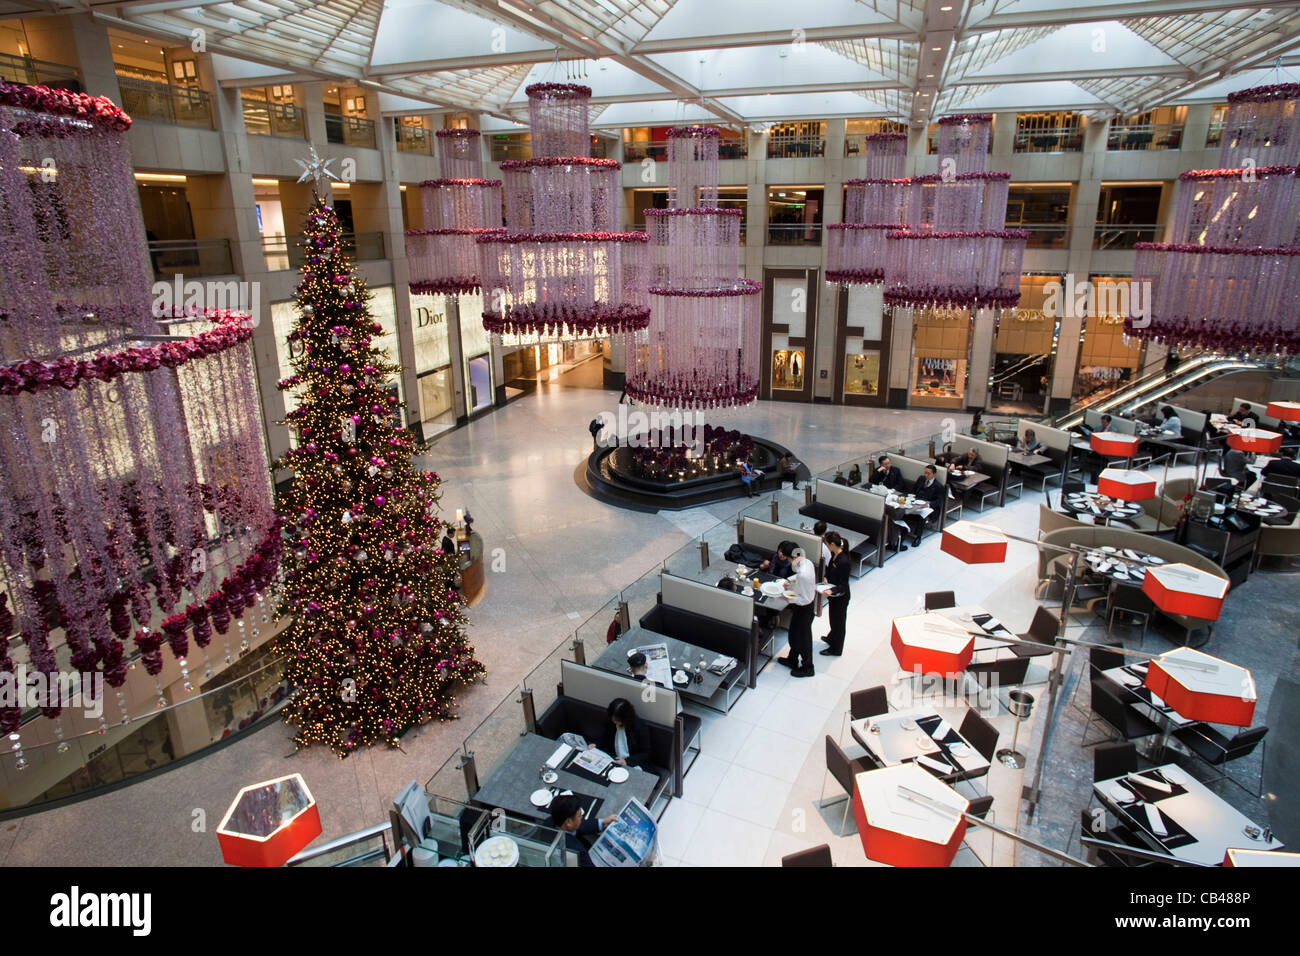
[593, 761]
[631, 840]
[659, 667]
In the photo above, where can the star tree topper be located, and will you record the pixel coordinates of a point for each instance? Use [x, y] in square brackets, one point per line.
[317, 169]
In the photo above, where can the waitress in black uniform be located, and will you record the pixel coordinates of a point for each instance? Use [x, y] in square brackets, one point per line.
[837, 575]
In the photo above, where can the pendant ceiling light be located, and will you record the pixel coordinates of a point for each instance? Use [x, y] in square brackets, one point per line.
[135, 498]
[458, 208]
[700, 349]
[954, 252]
[1230, 277]
[561, 271]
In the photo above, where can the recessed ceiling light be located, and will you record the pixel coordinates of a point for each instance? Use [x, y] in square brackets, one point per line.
[935, 49]
[947, 9]
[929, 76]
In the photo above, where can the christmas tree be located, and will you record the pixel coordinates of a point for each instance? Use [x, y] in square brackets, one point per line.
[376, 642]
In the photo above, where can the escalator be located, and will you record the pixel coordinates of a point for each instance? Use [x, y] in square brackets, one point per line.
[1162, 387]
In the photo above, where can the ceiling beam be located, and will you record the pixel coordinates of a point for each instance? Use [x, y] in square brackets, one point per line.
[882, 31]
[1084, 13]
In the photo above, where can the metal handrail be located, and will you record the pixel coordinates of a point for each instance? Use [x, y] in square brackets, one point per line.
[164, 102]
[1056, 139]
[795, 147]
[1134, 395]
[348, 839]
[29, 70]
[1144, 136]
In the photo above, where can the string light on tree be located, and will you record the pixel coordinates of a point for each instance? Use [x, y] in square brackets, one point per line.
[365, 579]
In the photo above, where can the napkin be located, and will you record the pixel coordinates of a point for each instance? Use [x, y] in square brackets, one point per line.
[561, 754]
[933, 764]
[1093, 506]
[991, 625]
[1150, 783]
[941, 731]
[1156, 821]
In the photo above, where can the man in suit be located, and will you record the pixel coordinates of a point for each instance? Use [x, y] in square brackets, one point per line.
[887, 474]
[567, 815]
[1284, 465]
[929, 490]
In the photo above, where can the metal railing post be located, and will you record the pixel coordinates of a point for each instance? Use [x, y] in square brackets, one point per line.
[530, 709]
[704, 555]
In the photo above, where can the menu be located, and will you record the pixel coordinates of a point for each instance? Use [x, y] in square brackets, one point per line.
[631, 840]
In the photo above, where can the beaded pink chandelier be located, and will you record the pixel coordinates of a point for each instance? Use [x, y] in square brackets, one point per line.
[458, 208]
[955, 253]
[561, 271]
[134, 491]
[700, 349]
[1230, 277]
[934, 241]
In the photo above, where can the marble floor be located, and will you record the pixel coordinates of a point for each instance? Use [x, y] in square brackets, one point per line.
[555, 557]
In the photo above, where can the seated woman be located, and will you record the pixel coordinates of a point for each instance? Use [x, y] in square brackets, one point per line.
[625, 738]
[855, 476]
[789, 469]
[750, 476]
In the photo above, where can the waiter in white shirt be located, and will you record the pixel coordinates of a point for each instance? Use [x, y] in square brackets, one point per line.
[804, 585]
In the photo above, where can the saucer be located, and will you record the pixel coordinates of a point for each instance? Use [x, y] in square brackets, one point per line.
[618, 774]
[550, 776]
[541, 798]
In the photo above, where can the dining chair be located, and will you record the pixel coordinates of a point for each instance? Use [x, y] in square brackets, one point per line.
[870, 702]
[982, 807]
[1109, 707]
[1113, 832]
[1218, 751]
[844, 770]
[1114, 760]
[1099, 659]
[813, 856]
[1042, 630]
[1071, 485]
[938, 600]
[1131, 601]
[981, 735]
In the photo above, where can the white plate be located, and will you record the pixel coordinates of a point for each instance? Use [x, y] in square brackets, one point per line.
[771, 588]
[1152, 559]
[925, 744]
[541, 798]
[1109, 549]
[618, 774]
[748, 592]
[908, 724]
[959, 750]
[1122, 794]
[550, 776]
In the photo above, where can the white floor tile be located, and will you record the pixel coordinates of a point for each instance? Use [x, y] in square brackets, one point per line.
[701, 781]
[773, 753]
[723, 840]
[751, 796]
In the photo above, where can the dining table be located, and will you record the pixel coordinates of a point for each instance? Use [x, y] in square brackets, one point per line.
[518, 776]
[701, 684]
[1132, 678]
[1270, 512]
[964, 479]
[986, 628]
[1176, 814]
[1098, 506]
[1027, 461]
[1125, 566]
[919, 734]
